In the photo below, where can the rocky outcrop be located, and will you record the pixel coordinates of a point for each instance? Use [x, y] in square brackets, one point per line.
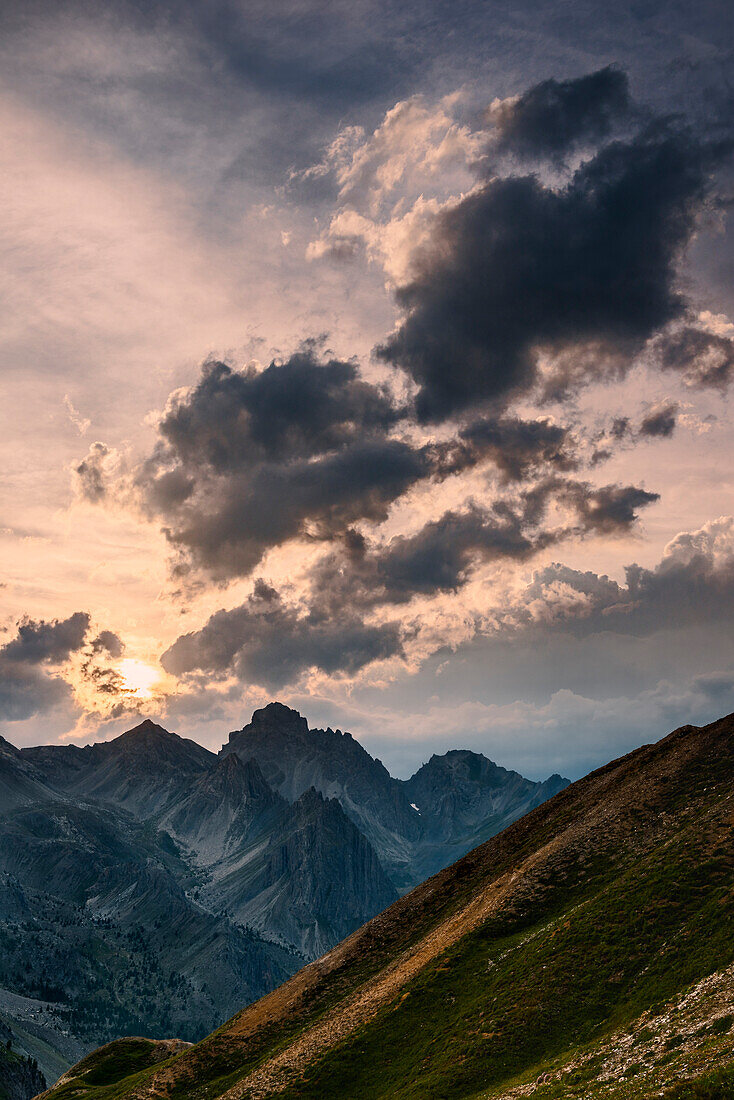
[227, 806]
[317, 879]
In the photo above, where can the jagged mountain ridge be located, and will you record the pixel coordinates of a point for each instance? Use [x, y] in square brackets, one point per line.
[140, 771]
[416, 826]
[294, 758]
[587, 951]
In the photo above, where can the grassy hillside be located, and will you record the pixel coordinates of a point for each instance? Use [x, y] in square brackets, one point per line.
[20, 1076]
[587, 951]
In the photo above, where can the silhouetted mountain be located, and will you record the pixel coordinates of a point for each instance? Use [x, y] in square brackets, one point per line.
[586, 951]
[416, 826]
[142, 770]
[294, 758]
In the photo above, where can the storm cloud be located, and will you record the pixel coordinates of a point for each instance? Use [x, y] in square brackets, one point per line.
[264, 641]
[312, 437]
[553, 117]
[586, 270]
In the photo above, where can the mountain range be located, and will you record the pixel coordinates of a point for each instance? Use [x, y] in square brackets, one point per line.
[149, 886]
[586, 951]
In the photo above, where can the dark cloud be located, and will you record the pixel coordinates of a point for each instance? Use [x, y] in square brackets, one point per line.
[555, 116]
[248, 460]
[608, 510]
[297, 409]
[586, 271]
[28, 685]
[109, 643]
[705, 359]
[440, 557]
[660, 422]
[231, 521]
[518, 448]
[39, 641]
[266, 642]
[306, 449]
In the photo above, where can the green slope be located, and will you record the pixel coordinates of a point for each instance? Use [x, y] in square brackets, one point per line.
[588, 951]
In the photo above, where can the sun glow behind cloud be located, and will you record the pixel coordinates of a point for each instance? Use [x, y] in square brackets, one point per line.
[139, 678]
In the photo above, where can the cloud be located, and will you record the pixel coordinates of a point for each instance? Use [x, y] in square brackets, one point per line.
[29, 679]
[313, 436]
[266, 642]
[443, 555]
[705, 358]
[91, 474]
[307, 435]
[109, 643]
[660, 422]
[440, 557]
[41, 641]
[692, 584]
[554, 117]
[517, 447]
[417, 147]
[585, 271]
[607, 510]
[37, 665]
[300, 408]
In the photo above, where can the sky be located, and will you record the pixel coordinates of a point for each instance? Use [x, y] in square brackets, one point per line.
[373, 357]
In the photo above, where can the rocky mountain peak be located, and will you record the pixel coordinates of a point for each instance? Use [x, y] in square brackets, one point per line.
[147, 730]
[277, 716]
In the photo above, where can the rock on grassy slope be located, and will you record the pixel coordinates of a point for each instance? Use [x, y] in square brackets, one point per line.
[586, 951]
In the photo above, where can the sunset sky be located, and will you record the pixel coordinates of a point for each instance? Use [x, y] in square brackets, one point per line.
[375, 357]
